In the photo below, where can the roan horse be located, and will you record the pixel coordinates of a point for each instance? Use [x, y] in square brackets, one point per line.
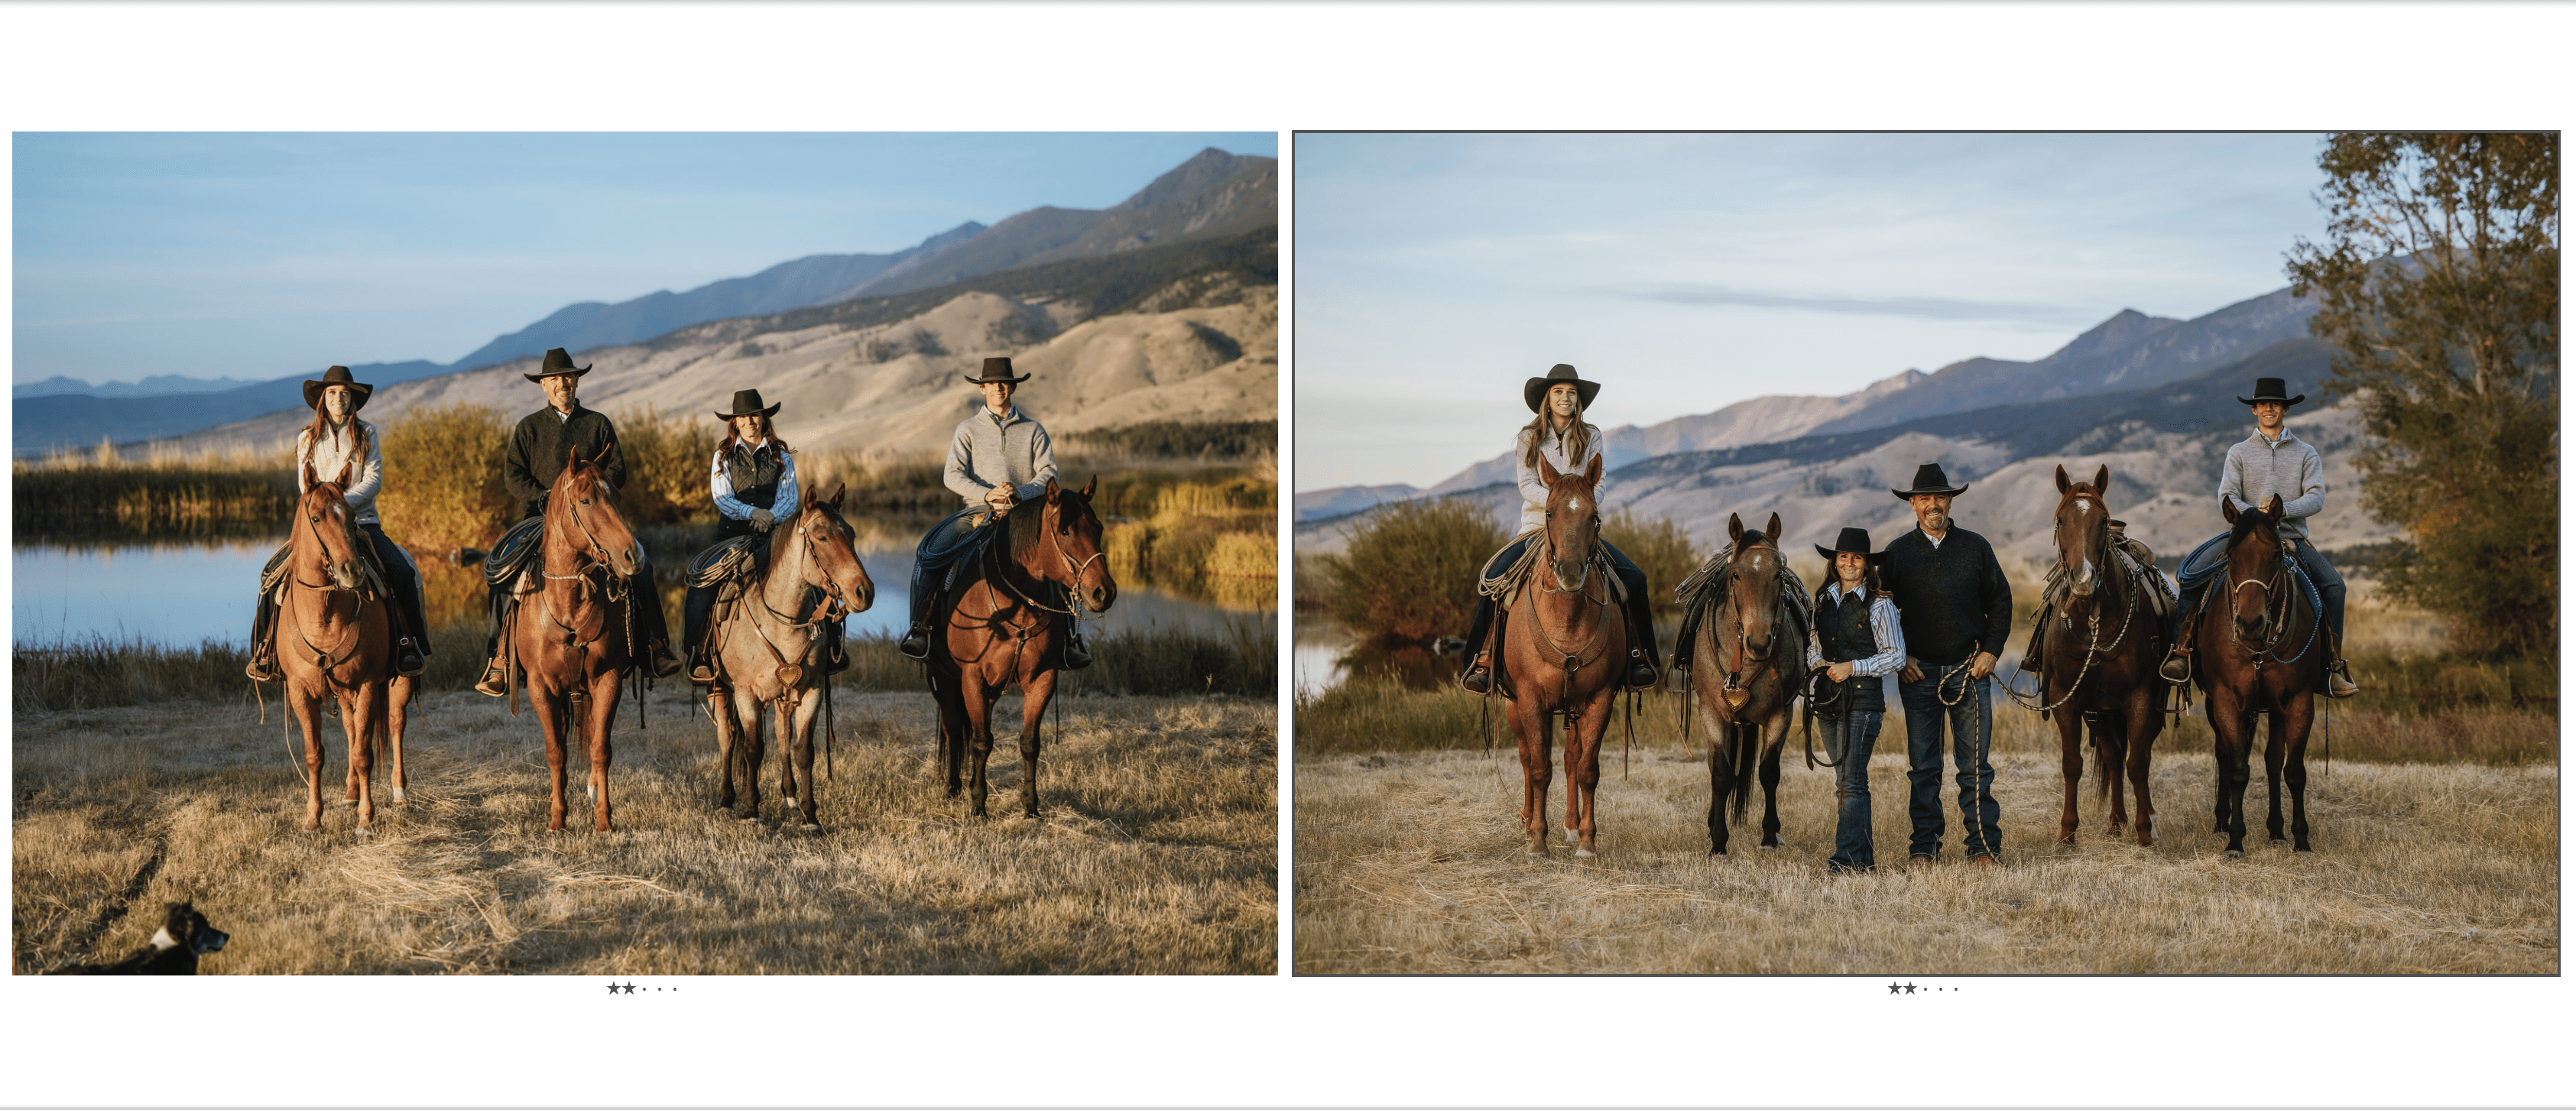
[2264, 656]
[810, 557]
[1743, 678]
[576, 636]
[2111, 671]
[999, 629]
[334, 640]
[1565, 654]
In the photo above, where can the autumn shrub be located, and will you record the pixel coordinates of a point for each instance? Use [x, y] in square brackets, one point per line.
[1408, 575]
[1659, 547]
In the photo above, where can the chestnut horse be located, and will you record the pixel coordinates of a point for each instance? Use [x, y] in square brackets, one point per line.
[334, 639]
[576, 636]
[2111, 670]
[1565, 653]
[2265, 656]
[810, 557]
[1744, 660]
[999, 628]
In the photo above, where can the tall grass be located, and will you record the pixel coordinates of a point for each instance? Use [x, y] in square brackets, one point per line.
[1213, 535]
[105, 494]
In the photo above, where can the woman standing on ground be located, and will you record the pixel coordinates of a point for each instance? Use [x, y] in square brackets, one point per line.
[1854, 638]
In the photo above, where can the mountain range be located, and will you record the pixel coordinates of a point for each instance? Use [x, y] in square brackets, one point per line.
[1212, 197]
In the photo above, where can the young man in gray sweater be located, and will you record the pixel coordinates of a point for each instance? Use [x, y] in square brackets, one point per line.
[2269, 462]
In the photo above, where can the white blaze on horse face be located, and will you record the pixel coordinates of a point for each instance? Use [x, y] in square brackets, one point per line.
[1574, 504]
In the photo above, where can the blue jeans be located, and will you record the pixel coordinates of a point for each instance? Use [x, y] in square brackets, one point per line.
[1971, 724]
[1852, 850]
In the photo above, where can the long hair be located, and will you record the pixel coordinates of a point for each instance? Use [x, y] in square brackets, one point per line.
[768, 432]
[1578, 439]
[319, 428]
[1868, 582]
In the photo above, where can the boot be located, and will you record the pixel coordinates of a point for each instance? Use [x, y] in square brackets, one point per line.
[2177, 665]
[408, 661]
[916, 643]
[702, 664]
[263, 645]
[495, 681]
[1641, 672]
[664, 663]
[2339, 683]
[1077, 654]
[1480, 676]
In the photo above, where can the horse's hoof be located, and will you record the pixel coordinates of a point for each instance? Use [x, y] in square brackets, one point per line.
[400, 798]
[365, 830]
[2066, 838]
[1771, 847]
[1572, 838]
[1581, 853]
[2305, 851]
[811, 827]
[2235, 853]
[748, 818]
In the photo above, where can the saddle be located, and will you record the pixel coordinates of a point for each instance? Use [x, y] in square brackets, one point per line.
[2135, 559]
[1506, 584]
[272, 577]
[942, 564]
[1700, 593]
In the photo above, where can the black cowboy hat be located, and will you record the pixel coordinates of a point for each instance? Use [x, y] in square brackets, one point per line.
[1929, 479]
[1855, 541]
[2270, 389]
[1536, 388]
[996, 370]
[558, 363]
[337, 375]
[746, 402]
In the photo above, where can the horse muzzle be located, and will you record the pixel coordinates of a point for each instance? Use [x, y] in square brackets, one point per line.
[1569, 575]
[345, 575]
[1099, 598]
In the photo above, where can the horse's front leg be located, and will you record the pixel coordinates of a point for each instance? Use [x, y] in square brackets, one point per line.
[398, 693]
[1533, 724]
[1583, 769]
[2070, 765]
[2145, 724]
[951, 702]
[797, 736]
[2111, 738]
[362, 717]
[1035, 693]
[2276, 748]
[980, 697]
[604, 689]
[1721, 777]
[307, 706]
[1775, 735]
[2234, 729]
[2297, 716]
[720, 714]
[552, 710]
[752, 746]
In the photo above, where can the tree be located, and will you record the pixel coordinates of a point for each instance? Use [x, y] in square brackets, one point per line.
[2438, 289]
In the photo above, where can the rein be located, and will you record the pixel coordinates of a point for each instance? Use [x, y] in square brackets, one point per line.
[2092, 648]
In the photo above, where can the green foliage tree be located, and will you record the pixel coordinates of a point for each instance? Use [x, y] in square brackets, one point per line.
[1659, 547]
[2438, 287]
[1409, 576]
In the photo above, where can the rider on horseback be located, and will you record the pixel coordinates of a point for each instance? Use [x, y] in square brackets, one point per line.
[2273, 461]
[331, 441]
[537, 452]
[752, 479]
[1560, 435]
[997, 459]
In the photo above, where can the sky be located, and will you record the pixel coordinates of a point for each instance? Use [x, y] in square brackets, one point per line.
[1434, 274]
[255, 256]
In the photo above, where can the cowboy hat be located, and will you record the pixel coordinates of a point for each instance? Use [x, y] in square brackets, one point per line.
[746, 402]
[1854, 541]
[996, 370]
[558, 362]
[2270, 389]
[1929, 479]
[337, 375]
[1536, 388]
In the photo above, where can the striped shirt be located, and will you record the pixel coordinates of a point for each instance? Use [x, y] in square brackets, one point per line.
[2259, 468]
[720, 486]
[1884, 628]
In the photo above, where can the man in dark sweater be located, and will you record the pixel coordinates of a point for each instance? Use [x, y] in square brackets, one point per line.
[538, 449]
[1956, 610]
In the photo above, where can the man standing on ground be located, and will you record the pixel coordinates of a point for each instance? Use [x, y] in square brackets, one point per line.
[1956, 610]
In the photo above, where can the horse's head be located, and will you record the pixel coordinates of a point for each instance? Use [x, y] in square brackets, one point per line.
[1753, 583]
[581, 512]
[831, 559]
[2083, 530]
[2253, 565]
[1071, 533]
[1573, 521]
[327, 533]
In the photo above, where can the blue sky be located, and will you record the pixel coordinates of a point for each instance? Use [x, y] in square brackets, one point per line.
[261, 255]
[1435, 273]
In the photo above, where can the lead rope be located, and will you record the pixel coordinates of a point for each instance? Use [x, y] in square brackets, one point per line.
[1975, 789]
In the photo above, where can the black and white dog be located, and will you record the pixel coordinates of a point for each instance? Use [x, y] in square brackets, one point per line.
[184, 936]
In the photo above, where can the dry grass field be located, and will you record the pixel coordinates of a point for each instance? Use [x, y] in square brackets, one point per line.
[1158, 852]
[1412, 863]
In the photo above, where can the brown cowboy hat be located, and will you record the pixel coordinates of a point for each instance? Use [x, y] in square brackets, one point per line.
[2271, 389]
[1536, 388]
[746, 402]
[558, 362]
[996, 370]
[1929, 479]
[337, 375]
[1855, 541]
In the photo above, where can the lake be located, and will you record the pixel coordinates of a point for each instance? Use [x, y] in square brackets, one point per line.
[181, 595]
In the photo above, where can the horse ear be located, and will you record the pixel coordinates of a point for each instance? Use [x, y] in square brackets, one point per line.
[1774, 530]
[309, 480]
[572, 457]
[346, 466]
[1734, 528]
[1592, 471]
[1054, 491]
[2227, 508]
[2272, 507]
[605, 454]
[838, 488]
[1547, 471]
[2062, 484]
[2102, 480]
[1091, 485]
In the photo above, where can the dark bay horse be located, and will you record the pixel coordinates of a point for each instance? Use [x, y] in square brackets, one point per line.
[2264, 657]
[2110, 668]
[771, 647]
[576, 636]
[1565, 653]
[1742, 676]
[334, 640]
[998, 628]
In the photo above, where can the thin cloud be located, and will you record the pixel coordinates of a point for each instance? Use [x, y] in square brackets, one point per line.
[1921, 308]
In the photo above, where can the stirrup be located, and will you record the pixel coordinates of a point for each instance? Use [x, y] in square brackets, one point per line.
[916, 643]
[495, 681]
[1480, 677]
[1677, 678]
[2340, 670]
[408, 661]
[2165, 670]
[263, 667]
[1641, 674]
[1077, 654]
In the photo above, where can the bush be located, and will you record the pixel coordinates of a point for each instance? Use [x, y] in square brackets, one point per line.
[666, 467]
[1659, 547]
[443, 486]
[1409, 575]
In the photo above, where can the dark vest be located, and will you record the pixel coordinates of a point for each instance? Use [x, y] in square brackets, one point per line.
[755, 477]
[1843, 634]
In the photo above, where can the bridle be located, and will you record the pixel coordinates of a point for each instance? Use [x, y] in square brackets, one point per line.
[2093, 647]
[1735, 692]
[328, 661]
[1048, 519]
[2273, 595]
[595, 558]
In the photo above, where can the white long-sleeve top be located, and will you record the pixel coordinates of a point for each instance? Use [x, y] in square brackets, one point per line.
[327, 457]
[1884, 629]
[720, 486]
[2259, 468]
[1552, 448]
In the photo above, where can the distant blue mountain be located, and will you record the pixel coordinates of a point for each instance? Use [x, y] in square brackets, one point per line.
[154, 386]
[41, 425]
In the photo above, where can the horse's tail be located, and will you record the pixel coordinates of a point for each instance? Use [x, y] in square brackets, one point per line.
[1744, 739]
[2110, 751]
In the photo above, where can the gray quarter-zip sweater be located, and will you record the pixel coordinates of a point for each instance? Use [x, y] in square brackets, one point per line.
[989, 451]
[2259, 468]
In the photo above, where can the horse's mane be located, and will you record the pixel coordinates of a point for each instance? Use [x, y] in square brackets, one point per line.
[1029, 527]
[2244, 526]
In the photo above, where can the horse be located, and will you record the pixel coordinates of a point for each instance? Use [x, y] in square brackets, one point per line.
[1743, 678]
[2112, 671]
[813, 577]
[1564, 654]
[334, 639]
[998, 628]
[575, 638]
[2263, 657]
